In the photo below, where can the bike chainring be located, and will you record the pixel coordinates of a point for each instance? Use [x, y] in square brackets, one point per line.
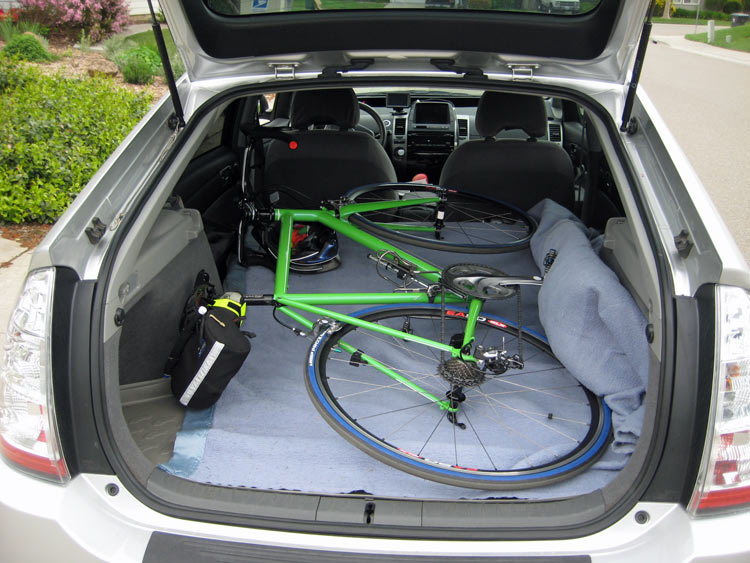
[474, 280]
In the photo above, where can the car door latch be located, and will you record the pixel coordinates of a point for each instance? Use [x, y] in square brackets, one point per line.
[96, 231]
[683, 244]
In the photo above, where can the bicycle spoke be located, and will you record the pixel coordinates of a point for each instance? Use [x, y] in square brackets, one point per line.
[518, 411]
[427, 441]
[512, 432]
[513, 428]
[479, 439]
[396, 410]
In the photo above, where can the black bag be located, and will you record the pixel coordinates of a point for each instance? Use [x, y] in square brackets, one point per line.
[210, 349]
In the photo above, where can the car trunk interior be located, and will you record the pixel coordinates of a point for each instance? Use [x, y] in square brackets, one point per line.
[263, 451]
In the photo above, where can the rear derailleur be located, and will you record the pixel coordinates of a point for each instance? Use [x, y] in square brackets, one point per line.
[496, 360]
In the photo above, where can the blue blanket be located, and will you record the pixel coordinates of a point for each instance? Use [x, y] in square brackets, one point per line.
[592, 322]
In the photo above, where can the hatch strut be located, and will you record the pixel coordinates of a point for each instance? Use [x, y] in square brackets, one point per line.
[628, 125]
[178, 119]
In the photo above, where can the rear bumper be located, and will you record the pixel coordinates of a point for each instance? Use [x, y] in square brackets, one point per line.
[83, 522]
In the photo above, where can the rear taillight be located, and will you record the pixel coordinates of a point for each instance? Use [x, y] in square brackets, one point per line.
[724, 480]
[28, 430]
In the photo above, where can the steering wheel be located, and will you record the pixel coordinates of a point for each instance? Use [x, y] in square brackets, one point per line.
[380, 136]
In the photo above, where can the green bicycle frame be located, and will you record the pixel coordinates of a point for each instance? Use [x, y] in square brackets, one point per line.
[312, 302]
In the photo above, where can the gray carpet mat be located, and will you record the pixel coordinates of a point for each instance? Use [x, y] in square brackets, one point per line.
[265, 432]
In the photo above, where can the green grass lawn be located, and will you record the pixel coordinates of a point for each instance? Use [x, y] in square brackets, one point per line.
[740, 38]
[688, 21]
[146, 38]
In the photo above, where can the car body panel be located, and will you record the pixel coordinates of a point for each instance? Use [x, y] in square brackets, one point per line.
[90, 524]
[98, 516]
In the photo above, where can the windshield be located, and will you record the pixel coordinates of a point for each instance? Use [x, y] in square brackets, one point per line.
[245, 7]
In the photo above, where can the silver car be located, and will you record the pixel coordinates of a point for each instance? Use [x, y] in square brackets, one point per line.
[594, 406]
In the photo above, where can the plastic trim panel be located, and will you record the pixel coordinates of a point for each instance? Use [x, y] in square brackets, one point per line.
[166, 548]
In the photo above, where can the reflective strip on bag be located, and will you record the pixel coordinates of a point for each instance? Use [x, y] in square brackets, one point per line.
[206, 366]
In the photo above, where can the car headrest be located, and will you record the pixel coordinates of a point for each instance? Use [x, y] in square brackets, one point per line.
[498, 111]
[324, 107]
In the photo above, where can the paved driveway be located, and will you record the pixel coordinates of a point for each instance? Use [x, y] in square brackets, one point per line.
[703, 94]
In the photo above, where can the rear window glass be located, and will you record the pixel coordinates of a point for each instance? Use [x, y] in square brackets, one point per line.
[245, 7]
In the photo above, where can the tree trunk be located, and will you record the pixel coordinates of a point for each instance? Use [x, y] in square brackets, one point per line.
[667, 6]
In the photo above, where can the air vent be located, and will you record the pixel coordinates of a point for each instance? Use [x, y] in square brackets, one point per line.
[399, 127]
[463, 127]
[555, 132]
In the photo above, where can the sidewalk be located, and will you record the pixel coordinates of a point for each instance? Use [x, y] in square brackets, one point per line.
[15, 260]
[673, 35]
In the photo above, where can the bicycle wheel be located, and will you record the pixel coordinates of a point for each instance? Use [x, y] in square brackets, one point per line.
[472, 223]
[522, 428]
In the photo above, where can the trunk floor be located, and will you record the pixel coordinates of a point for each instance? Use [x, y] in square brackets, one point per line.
[153, 416]
[264, 432]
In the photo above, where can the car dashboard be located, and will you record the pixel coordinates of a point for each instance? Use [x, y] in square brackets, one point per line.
[423, 130]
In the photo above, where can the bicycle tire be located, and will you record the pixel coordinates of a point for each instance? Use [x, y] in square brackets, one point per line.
[350, 400]
[474, 224]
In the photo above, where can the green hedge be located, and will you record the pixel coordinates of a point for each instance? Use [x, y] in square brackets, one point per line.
[55, 132]
[28, 48]
[139, 65]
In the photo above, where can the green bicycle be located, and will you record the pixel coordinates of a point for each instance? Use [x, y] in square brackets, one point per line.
[424, 379]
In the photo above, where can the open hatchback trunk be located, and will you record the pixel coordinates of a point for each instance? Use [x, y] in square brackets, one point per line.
[552, 435]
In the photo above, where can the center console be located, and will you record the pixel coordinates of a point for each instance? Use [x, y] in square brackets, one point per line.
[424, 133]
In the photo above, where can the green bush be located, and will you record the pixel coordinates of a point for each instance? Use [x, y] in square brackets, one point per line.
[27, 47]
[732, 7]
[9, 29]
[704, 15]
[178, 67]
[658, 9]
[11, 75]
[139, 65]
[55, 133]
[146, 39]
[116, 46]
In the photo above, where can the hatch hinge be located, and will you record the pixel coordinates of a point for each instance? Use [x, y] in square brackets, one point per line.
[521, 71]
[449, 65]
[334, 71]
[640, 56]
[284, 71]
[177, 121]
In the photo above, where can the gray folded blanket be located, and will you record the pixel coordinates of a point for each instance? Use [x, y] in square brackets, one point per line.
[593, 324]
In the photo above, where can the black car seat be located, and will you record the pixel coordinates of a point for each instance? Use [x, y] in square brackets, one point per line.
[329, 158]
[519, 171]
